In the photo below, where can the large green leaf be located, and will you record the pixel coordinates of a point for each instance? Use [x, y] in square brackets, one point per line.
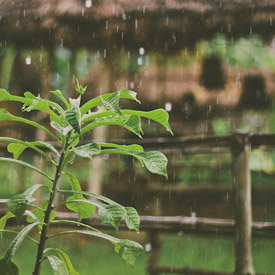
[98, 100]
[59, 268]
[108, 214]
[65, 259]
[18, 203]
[159, 115]
[112, 103]
[77, 203]
[132, 218]
[87, 150]
[128, 250]
[154, 161]
[6, 116]
[73, 119]
[112, 213]
[131, 123]
[3, 221]
[15, 161]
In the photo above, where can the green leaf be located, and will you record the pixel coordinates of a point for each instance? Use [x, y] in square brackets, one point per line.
[154, 161]
[54, 105]
[132, 218]
[108, 214]
[6, 116]
[42, 105]
[87, 150]
[131, 123]
[59, 94]
[18, 203]
[97, 196]
[77, 203]
[40, 214]
[16, 149]
[84, 208]
[14, 245]
[111, 214]
[19, 146]
[3, 222]
[159, 115]
[34, 144]
[73, 119]
[8, 268]
[135, 147]
[128, 250]
[59, 268]
[6, 96]
[65, 259]
[129, 95]
[97, 101]
[112, 103]
[26, 165]
[62, 130]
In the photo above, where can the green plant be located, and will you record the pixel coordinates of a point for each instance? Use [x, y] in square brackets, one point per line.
[67, 128]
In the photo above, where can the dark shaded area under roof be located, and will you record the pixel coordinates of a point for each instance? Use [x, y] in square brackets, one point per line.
[164, 26]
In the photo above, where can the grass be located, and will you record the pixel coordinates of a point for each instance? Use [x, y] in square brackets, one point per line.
[91, 256]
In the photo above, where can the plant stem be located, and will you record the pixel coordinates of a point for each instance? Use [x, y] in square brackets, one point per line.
[49, 209]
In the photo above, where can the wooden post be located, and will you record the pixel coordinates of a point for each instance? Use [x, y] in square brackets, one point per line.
[154, 252]
[242, 199]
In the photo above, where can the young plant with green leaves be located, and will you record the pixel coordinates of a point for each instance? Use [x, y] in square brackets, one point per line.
[69, 121]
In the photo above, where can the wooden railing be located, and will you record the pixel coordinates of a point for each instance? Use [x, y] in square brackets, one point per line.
[242, 227]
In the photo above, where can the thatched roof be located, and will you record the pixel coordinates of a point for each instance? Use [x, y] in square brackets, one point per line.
[164, 25]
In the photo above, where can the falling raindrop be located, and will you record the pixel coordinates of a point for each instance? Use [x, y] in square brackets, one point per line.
[148, 247]
[28, 60]
[88, 3]
[82, 12]
[144, 9]
[168, 107]
[141, 51]
[104, 53]
[136, 24]
[140, 60]
[105, 156]
[132, 85]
